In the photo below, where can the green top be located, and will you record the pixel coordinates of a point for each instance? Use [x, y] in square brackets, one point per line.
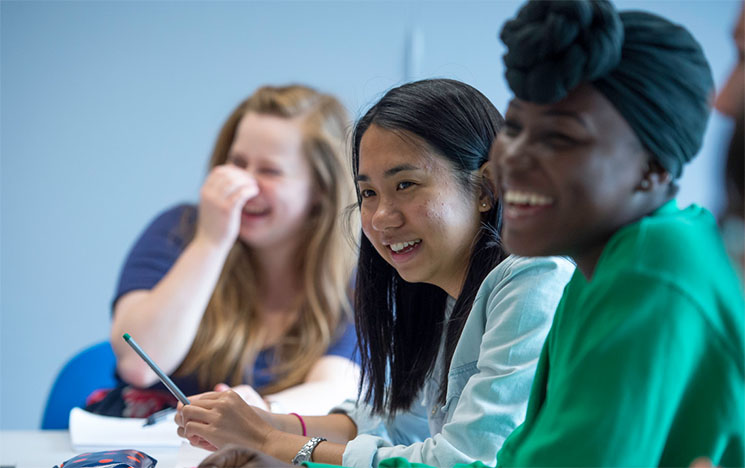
[644, 364]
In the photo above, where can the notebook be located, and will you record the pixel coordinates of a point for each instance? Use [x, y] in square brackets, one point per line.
[93, 432]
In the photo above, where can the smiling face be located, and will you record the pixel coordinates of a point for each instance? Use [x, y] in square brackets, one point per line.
[269, 148]
[570, 175]
[415, 211]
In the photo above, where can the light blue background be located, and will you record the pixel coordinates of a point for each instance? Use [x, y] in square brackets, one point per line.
[109, 110]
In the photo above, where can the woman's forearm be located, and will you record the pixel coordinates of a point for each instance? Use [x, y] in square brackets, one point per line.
[337, 428]
[165, 320]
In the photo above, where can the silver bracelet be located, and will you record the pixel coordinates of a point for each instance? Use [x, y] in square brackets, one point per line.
[306, 451]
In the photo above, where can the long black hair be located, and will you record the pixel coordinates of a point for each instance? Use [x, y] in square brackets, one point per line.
[400, 324]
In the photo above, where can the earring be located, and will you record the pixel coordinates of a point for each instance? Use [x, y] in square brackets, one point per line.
[484, 205]
[644, 184]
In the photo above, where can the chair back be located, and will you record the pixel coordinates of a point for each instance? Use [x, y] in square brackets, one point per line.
[91, 369]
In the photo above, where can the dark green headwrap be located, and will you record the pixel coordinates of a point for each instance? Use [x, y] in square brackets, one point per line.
[653, 71]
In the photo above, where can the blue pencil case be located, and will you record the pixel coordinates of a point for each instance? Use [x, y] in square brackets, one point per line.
[111, 459]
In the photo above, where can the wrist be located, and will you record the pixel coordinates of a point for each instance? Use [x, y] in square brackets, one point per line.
[305, 454]
[212, 247]
[303, 427]
[274, 441]
[287, 423]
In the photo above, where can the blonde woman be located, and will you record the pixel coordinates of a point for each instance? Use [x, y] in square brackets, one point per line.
[249, 289]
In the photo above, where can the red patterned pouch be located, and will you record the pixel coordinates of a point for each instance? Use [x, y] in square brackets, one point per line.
[111, 459]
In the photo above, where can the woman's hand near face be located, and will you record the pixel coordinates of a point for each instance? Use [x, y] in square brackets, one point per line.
[222, 197]
[176, 304]
[216, 419]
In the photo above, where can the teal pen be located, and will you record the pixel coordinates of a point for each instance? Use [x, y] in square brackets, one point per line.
[163, 377]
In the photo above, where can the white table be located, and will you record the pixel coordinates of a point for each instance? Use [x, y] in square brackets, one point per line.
[44, 449]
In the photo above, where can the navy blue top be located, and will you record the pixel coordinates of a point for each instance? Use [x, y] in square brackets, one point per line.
[153, 255]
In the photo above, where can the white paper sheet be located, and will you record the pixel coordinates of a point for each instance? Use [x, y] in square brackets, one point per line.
[92, 432]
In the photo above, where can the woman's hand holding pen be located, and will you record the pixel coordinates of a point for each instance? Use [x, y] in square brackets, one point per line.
[215, 419]
[222, 197]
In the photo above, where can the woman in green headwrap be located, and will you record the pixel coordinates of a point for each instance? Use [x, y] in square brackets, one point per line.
[643, 365]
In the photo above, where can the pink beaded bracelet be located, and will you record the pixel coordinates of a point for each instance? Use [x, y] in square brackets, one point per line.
[302, 423]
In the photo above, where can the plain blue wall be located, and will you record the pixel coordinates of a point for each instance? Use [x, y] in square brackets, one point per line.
[109, 110]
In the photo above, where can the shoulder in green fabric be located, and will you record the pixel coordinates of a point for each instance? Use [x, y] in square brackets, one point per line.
[399, 462]
[681, 248]
[673, 244]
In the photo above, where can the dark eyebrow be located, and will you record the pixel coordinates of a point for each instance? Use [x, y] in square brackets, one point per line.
[388, 173]
[557, 113]
[570, 114]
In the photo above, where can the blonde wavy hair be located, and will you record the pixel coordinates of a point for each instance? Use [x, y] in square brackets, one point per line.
[230, 335]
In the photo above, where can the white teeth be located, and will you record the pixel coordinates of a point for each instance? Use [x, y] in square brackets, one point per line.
[526, 198]
[399, 246]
